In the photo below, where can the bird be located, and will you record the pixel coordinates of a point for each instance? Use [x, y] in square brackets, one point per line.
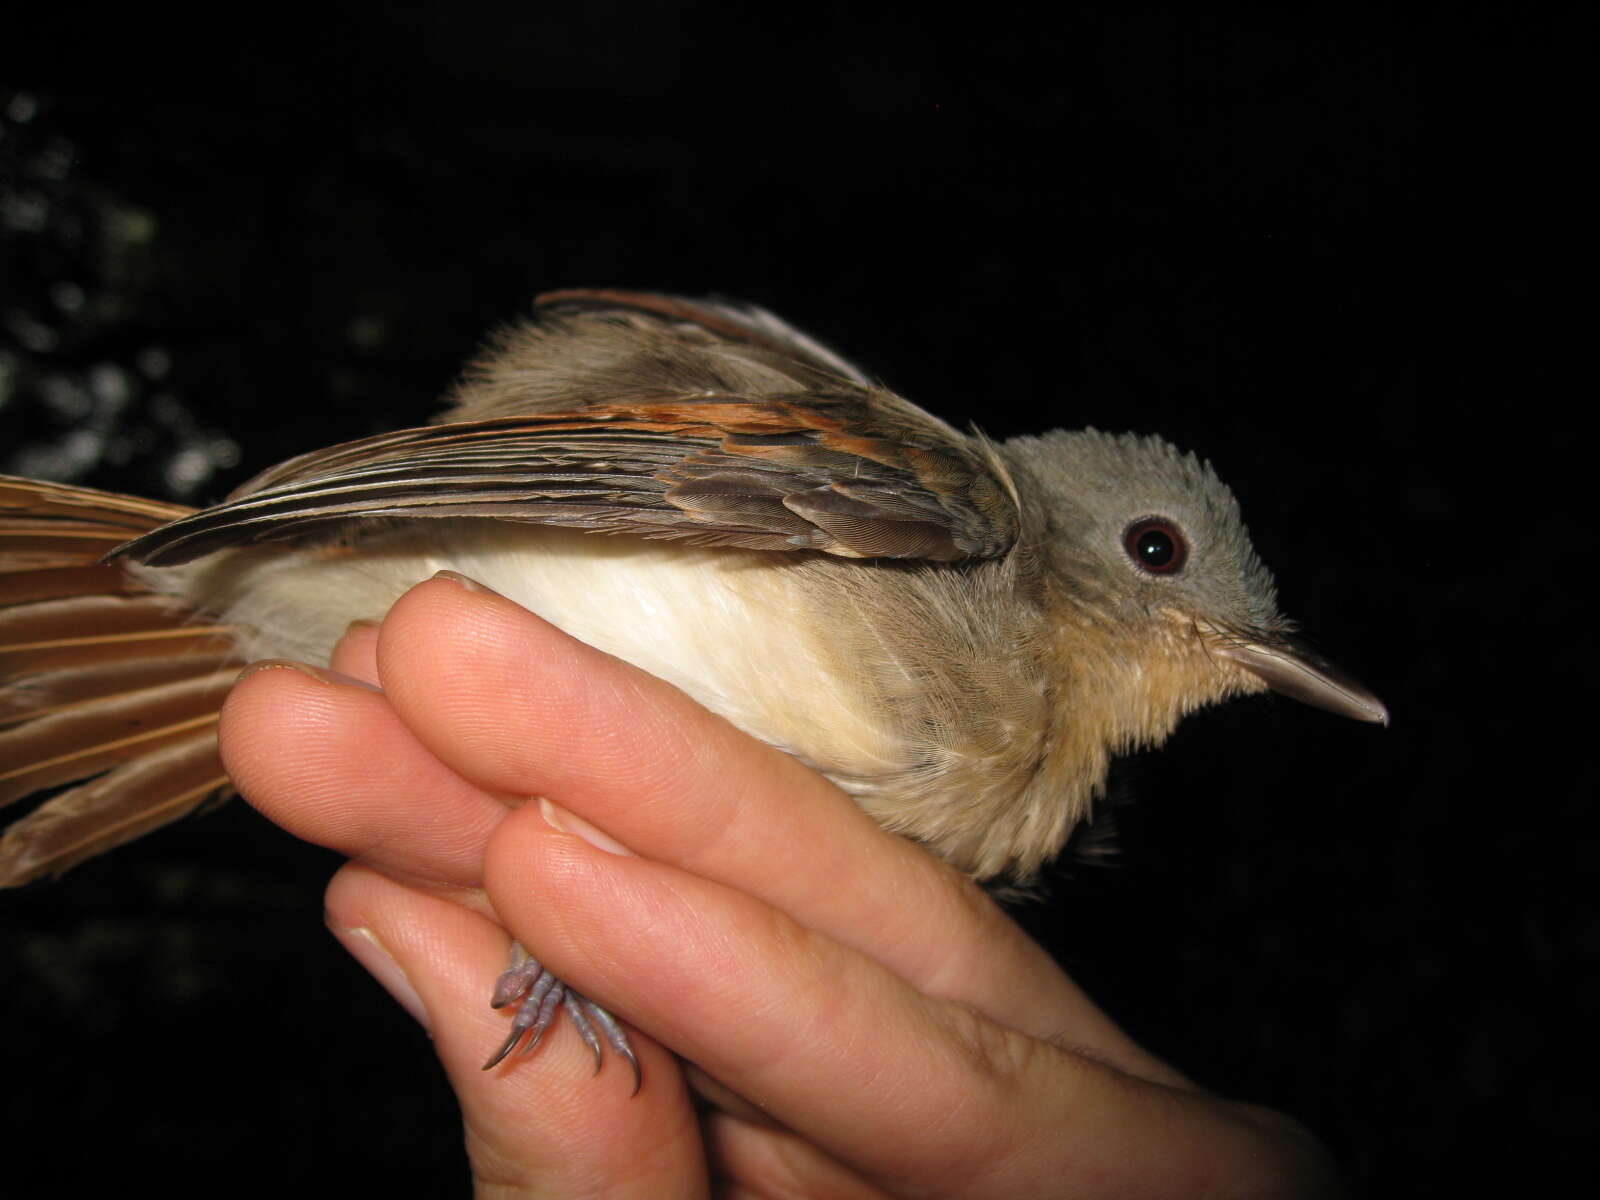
[960, 633]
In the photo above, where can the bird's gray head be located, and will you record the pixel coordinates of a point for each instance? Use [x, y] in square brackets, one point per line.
[1153, 526]
[1144, 535]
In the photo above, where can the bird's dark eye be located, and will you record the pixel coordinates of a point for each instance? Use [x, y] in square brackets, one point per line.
[1155, 545]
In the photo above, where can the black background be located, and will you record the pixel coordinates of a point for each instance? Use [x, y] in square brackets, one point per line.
[223, 246]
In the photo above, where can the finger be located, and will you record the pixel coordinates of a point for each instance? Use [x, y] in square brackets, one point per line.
[519, 707]
[547, 1128]
[916, 1094]
[326, 758]
[356, 653]
[759, 1160]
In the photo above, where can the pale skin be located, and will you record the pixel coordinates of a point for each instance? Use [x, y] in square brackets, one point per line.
[862, 1020]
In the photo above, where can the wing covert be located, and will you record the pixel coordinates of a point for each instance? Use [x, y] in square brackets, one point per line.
[860, 474]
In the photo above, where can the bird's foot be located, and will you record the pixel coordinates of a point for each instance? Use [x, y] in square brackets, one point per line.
[537, 994]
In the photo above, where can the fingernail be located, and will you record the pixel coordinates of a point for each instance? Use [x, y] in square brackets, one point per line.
[367, 950]
[462, 581]
[569, 822]
[320, 674]
[362, 626]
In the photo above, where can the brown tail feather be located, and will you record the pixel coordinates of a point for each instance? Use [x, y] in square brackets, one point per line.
[99, 680]
[95, 736]
[32, 505]
[53, 583]
[133, 799]
[60, 653]
[48, 692]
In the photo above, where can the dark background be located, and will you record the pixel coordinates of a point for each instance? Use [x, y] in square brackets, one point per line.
[222, 247]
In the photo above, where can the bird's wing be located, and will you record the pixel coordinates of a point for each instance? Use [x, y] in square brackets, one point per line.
[716, 317]
[856, 472]
[663, 417]
[589, 349]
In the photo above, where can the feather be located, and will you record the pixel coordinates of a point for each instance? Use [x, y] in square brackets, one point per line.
[144, 794]
[54, 620]
[55, 583]
[844, 474]
[83, 739]
[44, 692]
[726, 318]
[98, 677]
[54, 524]
[94, 649]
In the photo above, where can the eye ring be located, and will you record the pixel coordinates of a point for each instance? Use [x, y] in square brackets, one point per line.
[1156, 545]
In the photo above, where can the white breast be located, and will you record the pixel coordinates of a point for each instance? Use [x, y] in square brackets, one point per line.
[734, 629]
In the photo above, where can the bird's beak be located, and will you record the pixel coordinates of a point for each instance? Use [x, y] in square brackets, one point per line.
[1292, 670]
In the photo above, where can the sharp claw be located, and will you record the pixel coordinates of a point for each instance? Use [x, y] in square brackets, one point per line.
[627, 1053]
[617, 1039]
[574, 1004]
[538, 994]
[506, 1047]
[528, 1013]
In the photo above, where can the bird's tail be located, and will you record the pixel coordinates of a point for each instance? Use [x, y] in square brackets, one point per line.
[107, 690]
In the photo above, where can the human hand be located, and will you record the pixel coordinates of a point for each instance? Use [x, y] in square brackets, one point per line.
[857, 1018]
